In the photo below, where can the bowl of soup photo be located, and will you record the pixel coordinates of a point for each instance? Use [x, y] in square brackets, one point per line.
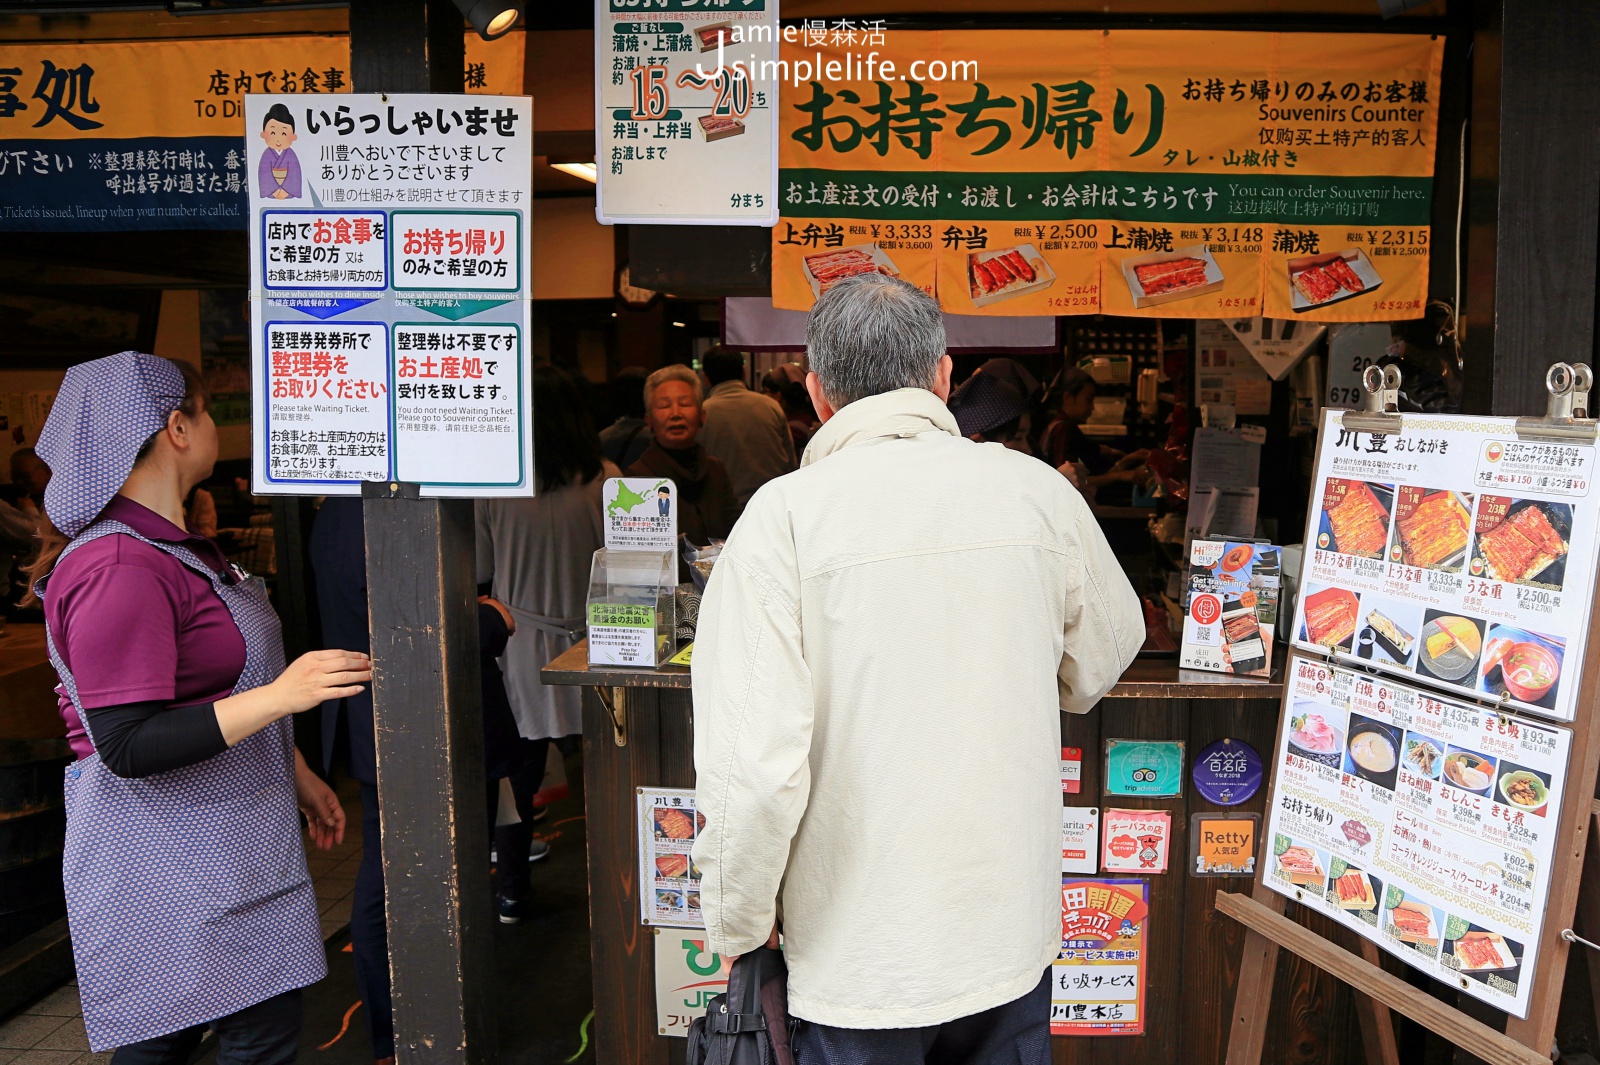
[1530, 670]
[1374, 752]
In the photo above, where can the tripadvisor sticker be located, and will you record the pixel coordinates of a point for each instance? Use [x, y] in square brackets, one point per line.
[1223, 844]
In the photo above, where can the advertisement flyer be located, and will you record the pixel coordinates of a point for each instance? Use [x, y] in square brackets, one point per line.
[1136, 841]
[1226, 372]
[1425, 824]
[688, 977]
[685, 95]
[1233, 607]
[1080, 839]
[669, 883]
[1134, 172]
[390, 267]
[1098, 980]
[1455, 552]
[641, 514]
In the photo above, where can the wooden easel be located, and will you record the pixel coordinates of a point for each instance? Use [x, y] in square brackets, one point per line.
[1525, 1041]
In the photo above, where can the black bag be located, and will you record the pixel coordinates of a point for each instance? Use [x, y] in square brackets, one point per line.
[749, 1025]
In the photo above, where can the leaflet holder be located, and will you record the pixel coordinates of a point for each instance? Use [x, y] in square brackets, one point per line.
[1566, 418]
[1382, 411]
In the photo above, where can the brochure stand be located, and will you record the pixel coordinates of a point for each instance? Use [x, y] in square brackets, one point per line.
[1526, 1041]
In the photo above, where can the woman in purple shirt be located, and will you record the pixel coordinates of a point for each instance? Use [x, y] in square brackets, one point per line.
[185, 872]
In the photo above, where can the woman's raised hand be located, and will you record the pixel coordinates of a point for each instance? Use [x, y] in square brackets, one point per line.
[318, 676]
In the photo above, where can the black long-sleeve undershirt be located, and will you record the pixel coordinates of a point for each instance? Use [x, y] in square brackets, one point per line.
[141, 739]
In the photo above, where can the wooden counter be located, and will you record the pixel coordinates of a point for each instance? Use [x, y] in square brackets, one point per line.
[1194, 952]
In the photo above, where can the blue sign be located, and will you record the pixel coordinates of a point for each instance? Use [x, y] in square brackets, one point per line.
[1227, 772]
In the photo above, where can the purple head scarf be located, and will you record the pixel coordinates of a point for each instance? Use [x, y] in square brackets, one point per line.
[105, 411]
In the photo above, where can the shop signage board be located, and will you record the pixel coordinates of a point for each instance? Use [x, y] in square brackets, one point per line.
[1098, 981]
[1135, 841]
[1080, 839]
[1148, 768]
[685, 95]
[688, 976]
[641, 514]
[1227, 772]
[669, 883]
[1223, 844]
[122, 135]
[1456, 553]
[1161, 173]
[390, 270]
[1427, 825]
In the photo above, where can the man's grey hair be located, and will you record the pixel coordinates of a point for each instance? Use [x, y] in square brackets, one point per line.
[676, 372]
[870, 334]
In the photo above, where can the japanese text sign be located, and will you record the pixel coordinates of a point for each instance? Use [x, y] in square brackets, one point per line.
[1098, 981]
[390, 268]
[669, 883]
[146, 134]
[685, 95]
[1131, 172]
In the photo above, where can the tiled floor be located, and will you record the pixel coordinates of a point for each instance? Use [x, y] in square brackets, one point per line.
[50, 1032]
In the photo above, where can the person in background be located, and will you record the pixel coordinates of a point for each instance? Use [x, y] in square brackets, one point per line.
[1064, 440]
[31, 475]
[19, 529]
[200, 513]
[188, 895]
[534, 554]
[624, 440]
[830, 734]
[994, 405]
[745, 429]
[1429, 356]
[707, 506]
[786, 386]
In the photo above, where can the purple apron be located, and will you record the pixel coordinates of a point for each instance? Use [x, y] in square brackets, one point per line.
[187, 891]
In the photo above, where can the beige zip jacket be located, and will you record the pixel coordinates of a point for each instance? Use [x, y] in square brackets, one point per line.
[883, 651]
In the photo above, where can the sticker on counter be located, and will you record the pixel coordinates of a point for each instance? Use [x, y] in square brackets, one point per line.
[688, 976]
[1098, 981]
[1227, 772]
[1071, 770]
[1080, 839]
[669, 882]
[1150, 768]
[1223, 844]
[1135, 841]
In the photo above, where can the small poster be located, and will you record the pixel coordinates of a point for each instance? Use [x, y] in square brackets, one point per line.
[1455, 552]
[1233, 607]
[622, 634]
[1136, 841]
[1071, 770]
[1226, 372]
[669, 883]
[1425, 824]
[641, 514]
[1152, 768]
[688, 977]
[1080, 839]
[1227, 772]
[1223, 844]
[1098, 981]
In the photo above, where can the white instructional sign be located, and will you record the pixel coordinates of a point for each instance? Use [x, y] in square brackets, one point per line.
[686, 95]
[641, 514]
[1425, 824]
[1454, 552]
[390, 270]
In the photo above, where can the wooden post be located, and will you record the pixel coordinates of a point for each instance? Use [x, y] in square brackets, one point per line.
[425, 687]
[1540, 260]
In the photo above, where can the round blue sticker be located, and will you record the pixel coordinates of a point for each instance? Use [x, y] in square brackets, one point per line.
[1227, 772]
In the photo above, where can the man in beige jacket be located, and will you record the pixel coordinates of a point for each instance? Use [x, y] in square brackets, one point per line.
[745, 429]
[883, 652]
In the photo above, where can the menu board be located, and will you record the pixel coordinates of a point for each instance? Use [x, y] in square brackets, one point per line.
[669, 882]
[1455, 552]
[1425, 824]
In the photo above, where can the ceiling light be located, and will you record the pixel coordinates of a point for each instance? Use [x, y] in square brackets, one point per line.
[586, 171]
[491, 18]
[681, 325]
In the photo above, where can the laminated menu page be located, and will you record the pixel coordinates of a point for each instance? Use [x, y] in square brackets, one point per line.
[1232, 607]
[669, 881]
[1455, 552]
[1425, 824]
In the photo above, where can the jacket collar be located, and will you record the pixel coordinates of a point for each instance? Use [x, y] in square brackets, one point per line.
[903, 412]
[726, 387]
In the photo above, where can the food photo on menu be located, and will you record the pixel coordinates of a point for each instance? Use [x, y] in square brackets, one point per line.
[1468, 771]
[1388, 631]
[1522, 541]
[1526, 666]
[1372, 751]
[1412, 921]
[1331, 616]
[1451, 644]
[1483, 955]
[1422, 755]
[1527, 790]
[826, 269]
[1302, 865]
[1354, 891]
[1355, 517]
[1163, 277]
[1000, 274]
[1316, 732]
[1431, 528]
[1320, 280]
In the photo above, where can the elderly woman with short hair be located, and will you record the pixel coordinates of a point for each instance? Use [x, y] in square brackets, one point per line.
[674, 409]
